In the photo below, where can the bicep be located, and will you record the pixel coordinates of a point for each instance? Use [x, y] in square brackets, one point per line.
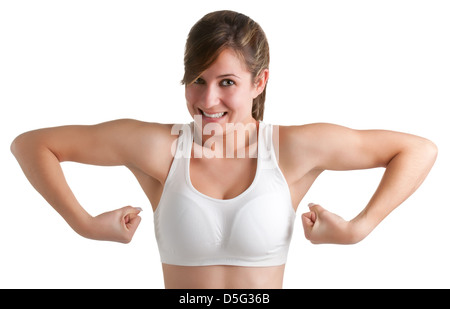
[118, 142]
[98, 144]
[324, 146]
[341, 148]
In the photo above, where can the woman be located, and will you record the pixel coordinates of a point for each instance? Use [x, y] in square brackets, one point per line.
[225, 188]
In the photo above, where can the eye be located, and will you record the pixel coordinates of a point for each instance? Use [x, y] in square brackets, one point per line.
[227, 83]
[199, 81]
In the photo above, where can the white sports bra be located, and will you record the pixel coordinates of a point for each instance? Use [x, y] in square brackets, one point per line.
[251, 229]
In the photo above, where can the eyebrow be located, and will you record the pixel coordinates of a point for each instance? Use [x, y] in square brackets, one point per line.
[227, 75]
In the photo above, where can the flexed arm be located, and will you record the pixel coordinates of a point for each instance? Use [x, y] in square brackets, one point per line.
[122, 142]
[42, 168]
[407, 159]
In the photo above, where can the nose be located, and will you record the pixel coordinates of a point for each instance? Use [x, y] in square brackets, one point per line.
[211, 96]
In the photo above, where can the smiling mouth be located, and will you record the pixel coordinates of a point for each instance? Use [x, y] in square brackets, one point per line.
[215, 115]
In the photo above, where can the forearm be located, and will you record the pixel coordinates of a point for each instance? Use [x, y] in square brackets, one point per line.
[404, 174]
[43, 170]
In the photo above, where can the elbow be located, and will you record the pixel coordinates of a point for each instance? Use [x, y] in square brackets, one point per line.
[18, 144]
[425, 153]
[430, 151]
[31, 144]
[24, 144]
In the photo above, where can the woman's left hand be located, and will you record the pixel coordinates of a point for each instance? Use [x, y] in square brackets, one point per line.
[322, 226]
[118, 225]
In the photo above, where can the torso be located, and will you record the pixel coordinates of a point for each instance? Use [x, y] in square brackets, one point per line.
[225, 179]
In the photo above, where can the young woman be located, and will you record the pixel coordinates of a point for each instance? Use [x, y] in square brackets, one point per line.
[225, 188]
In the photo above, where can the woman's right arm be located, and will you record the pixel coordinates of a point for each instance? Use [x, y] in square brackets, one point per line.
[131, 143]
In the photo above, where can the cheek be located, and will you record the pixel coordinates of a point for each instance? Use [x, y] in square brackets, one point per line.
[190, 95]
[240, 99]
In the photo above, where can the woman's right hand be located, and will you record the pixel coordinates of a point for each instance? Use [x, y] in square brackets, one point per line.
[118, 225]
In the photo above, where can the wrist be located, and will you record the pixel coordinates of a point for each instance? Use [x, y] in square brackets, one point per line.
[83, 225]
[359, 228]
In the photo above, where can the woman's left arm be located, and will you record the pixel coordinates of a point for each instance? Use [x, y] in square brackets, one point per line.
[407, 159]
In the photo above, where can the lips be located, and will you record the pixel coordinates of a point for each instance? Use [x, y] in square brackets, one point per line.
[213, 115]
[216, 115]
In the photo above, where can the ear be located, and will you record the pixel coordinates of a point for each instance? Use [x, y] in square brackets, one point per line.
[260, 82]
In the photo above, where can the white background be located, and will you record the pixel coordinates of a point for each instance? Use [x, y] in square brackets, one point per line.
[361, 64]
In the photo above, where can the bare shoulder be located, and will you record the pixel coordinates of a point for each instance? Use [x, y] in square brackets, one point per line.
[149, 144]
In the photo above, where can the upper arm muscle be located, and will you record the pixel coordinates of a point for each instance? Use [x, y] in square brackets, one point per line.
[331, 147]
[120, 142]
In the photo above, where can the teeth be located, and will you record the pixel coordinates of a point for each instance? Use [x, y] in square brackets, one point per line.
[218, 115]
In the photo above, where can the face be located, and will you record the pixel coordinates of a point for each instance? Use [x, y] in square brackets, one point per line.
[224, 92]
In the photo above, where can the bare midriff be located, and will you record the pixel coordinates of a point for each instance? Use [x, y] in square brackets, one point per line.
[222, 277]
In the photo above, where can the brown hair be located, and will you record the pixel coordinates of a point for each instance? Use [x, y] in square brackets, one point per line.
[218, 31]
